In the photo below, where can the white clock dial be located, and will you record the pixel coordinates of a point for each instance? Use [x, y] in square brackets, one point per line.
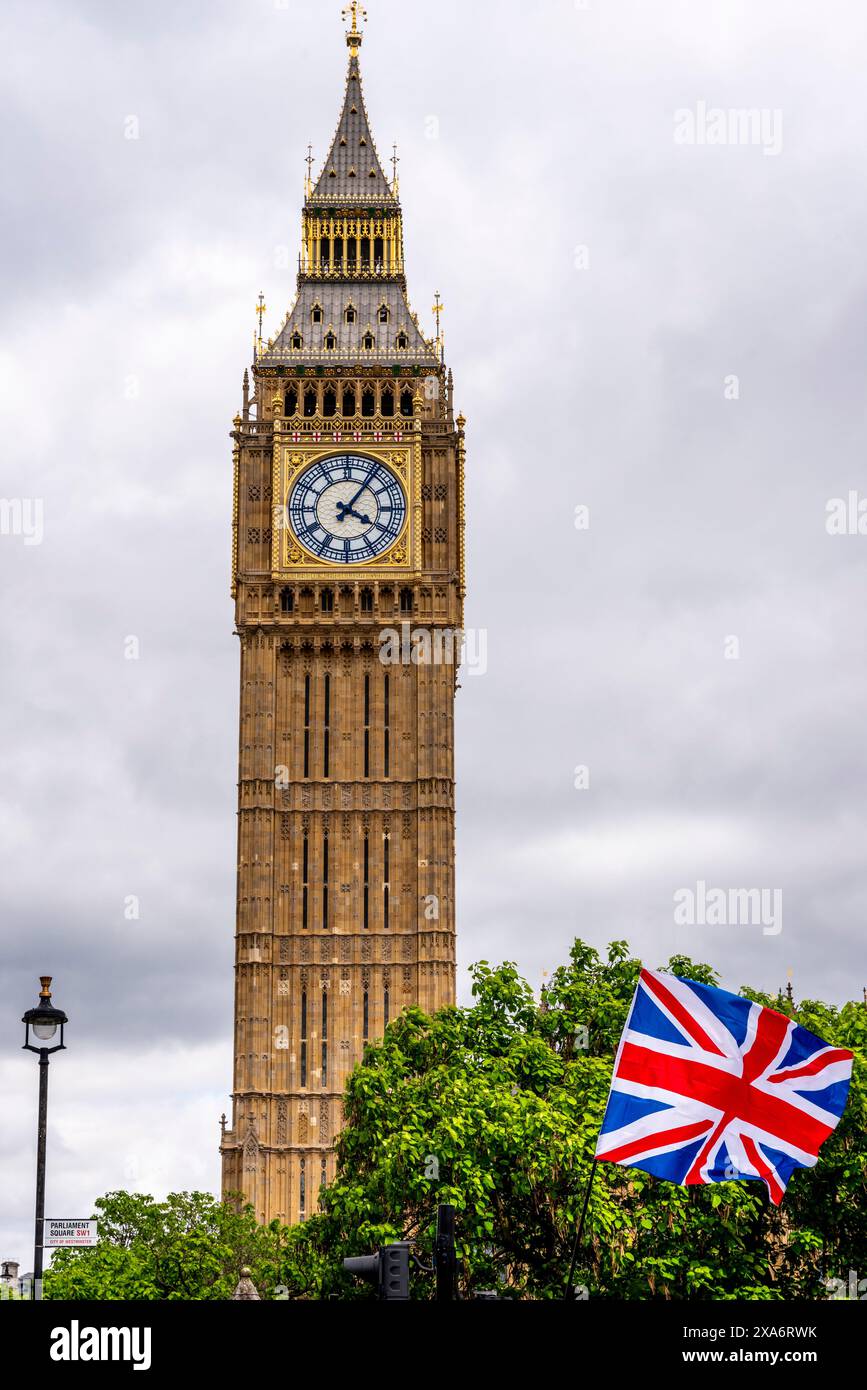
[347, 509]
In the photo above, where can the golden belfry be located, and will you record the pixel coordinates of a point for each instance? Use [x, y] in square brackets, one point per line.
[348, 528]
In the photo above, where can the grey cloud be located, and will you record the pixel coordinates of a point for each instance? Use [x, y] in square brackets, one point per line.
[604, 386]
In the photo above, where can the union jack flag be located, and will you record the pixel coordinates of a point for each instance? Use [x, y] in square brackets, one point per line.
[708, 1086]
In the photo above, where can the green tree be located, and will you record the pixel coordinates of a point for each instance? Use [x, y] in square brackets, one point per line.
[496, 1108]
[187, 1247]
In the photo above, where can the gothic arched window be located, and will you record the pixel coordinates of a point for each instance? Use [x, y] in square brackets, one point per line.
[406, 402]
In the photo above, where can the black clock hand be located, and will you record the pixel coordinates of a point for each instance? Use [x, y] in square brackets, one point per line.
[371, 474]
[344, 510]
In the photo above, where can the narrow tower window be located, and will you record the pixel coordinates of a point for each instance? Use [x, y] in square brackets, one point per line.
[365, 1026]
[287, 601]
[402, 341]
[385, 1009]
[369, 342]
[324, 1077]
[325, 883]
[349, 402]
[367, 726]
[307, 726]
[303, 1037]
[383, 314]
[368, 399]
[329, 400]
[406, 601]
[290, 402]
[386, 702]
[406, 402]
[330, 345]
[297, 344]
[387, 406]
[305, 883]
[367, 600]
[366, 883]
[326, 752]
[326, 600]
[386, 844]
[302, 1192]
[310, 402]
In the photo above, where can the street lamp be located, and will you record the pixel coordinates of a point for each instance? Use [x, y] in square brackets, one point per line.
[43, 1022]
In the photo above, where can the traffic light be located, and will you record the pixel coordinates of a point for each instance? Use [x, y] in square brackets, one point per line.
[394, 1272]
[445, 1255]
[388, 1269]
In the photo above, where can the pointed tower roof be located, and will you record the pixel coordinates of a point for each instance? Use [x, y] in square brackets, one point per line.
[351, 309]
[352, 172]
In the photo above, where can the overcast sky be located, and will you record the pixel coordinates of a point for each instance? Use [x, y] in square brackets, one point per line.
[670, 334]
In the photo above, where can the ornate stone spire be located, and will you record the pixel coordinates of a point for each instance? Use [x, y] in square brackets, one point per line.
[352, 173]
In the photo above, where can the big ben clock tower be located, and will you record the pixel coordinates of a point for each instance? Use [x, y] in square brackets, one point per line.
[348, 580]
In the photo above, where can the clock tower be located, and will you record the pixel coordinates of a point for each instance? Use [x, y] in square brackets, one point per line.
[348, 581]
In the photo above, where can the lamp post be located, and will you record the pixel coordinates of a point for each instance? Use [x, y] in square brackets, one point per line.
[43, 1022]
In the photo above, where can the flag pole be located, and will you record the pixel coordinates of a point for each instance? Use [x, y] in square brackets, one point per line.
[567, 1296]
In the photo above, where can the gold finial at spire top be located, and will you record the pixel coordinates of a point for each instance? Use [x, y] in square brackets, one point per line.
[354, 37]
[395, 160]
[261, 310]
[437, 311]
[308, 186]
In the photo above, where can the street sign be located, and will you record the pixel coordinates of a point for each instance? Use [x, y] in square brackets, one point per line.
[67, 1232]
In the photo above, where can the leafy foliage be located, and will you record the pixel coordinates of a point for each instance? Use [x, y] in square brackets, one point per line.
[495, 1108]
[188, 1247]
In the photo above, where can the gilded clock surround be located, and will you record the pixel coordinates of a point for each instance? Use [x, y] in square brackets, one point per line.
[345, 896]
[288, 554]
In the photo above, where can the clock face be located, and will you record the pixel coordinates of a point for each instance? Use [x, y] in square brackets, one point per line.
[347, 509]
